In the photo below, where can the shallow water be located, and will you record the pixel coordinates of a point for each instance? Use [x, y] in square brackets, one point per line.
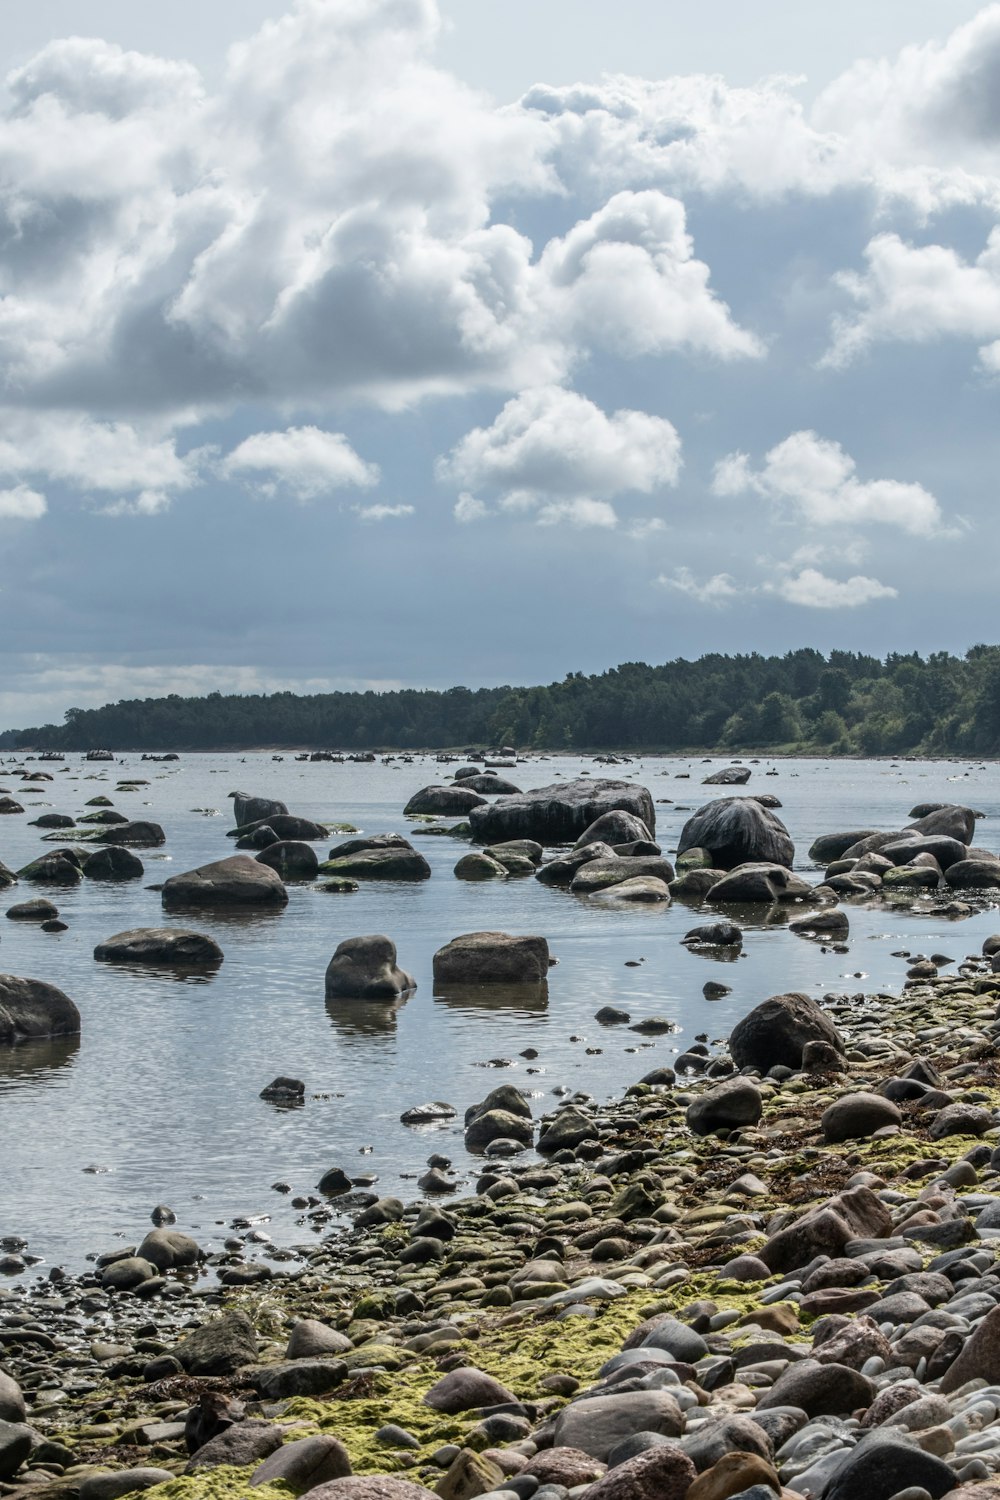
[161, 1090]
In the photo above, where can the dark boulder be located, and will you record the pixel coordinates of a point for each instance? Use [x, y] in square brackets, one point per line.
[113, 863]
[386, 856]
[38, 910]
[488, 784]
[855, 1117]
[443, 801]
[714, 935]
[559, 814]
[560, 871]
[31, 1009]
[600, 874]
[946, 851]
[728, 776]
[364, 968]
[160, 945]
[950, 821]
[738, 831]
[777, 1030]
[974, 874]
[492, 958]
[616, 827]
[235, 882]
[885, 1464]
[757, 883]
[250, 809]
[57, 868]
[286, 826]
[52, 820]
[140, 835]
[831, 846]
[220, 1347]
[292, 859]
[728, 1105]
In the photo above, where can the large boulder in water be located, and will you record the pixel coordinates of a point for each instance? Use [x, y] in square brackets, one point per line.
[489, 784]
[974, 874]
[31, 1009]
[600, 874]
[235, 882]
[738, 831]
[560, 871]
[492, 958]
[364, 968]
[947, 851]
[561, 813]
[160, 945]
[758, 883]
[383, 856]
[285, 825]
[141, 835]
[250, 809]
[728, 776]
[831, 846]
[778, 1030]
[443, 801]
[617, 827]
[951, 821]
[113, 863]
[292, 859]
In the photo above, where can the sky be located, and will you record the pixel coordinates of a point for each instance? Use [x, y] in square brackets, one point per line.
[369, 343]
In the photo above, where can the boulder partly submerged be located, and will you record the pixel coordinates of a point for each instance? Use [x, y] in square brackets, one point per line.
[738, 831]
[250, 809]
[559, 814]
[383, 856]
[365, 968]
[492, 958]
[31, 1009]
[160, 945]
[235, 882]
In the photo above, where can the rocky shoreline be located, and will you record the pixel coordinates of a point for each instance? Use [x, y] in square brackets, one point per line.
[752, 1283]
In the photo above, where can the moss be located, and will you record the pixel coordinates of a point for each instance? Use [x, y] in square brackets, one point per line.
[223, 1483]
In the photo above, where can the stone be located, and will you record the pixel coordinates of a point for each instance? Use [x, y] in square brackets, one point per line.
[383, 856]
[238, 881]
[564, 1466]
[12, 1406]
[304, 1463]
[176, 946]
[167, 1249]
[311, 1339]
[118, 1482]
[737, 831]
[243, 1443]
[466, 1389]
[468, 1475]
[299, 1377]
[219, 1347]
[478, 866]
[16, 1443]
[730, 1104]
[854, 1344]
[291, 858]
[126, 1274]
[979, 1357]
[734, 1473]
[777, 1030]
[829, 922]
[444, 802]
[492, 958]
[714, 935]
[598, 1423]
[31, 1009]
[728, 776]
[661, 1473]
[947, 821]
[857, 1116]
[758, 884]
[881, 1466]
[730, 1434]
[560, 871]
[364, 968]
[960, 1119]
[854, 1214]
[974, 874]
[284, 1091]
[250, 809]
[600, 874]
[113, 863]
[819, 1390]
[674, 1338]
[52, 869]
[643, 888]
[559, 814]
[615, 827]
[369, 1487]
[565, 1130]
[38, 910]
[283, 826]
[489, 784]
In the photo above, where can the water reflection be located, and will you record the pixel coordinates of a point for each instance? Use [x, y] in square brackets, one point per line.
[365, 1018]
[533, 998]
[24, 1062]
[203, 974]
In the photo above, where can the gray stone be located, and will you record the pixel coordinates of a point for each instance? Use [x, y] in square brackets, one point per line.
[238, 881]
[160, 945]
[305, 1463]
[31, 1009]
[364, 968]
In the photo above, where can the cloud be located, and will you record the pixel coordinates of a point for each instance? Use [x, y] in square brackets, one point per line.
[815, 480]
[718, 590]
[383, 512]
[551, 443]
[815, 590]
[579, 512]
[116, 458]
[21, 504]
[304, 461]
[916, 294]
[146, 503]
[467, 508]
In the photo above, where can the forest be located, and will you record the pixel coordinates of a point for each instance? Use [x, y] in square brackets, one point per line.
[844, 703]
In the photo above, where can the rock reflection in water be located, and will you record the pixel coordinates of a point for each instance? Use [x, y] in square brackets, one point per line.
[532, 998]
[365, 1018]
[25, 1062]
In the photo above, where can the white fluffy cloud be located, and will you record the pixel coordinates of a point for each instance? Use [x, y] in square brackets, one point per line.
[383, 512]
[304, 461]
[21, 504]
[720, 589]
[135, 463]
[814, 590]
[813, 479]
[554, 445]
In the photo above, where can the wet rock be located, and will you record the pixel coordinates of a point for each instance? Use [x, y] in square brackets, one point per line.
[882, 1466]
[714, 935]
[857, 1116]
[465, 1389]
[250, 809]
[311, 1339]
[615, 827]
[831, 921]
[235, 882]
[492, 958]
[113, 863]
[385, 856]
[291, 859]
[140, 834]
[728, 1105]
[777, 1030]
[38, 910]
[167, 1249]
[305, 1463]
[559, 814]
[16, 1443]
[819, 1389]
[601, 874]
[561, 871]
[566, 1130]
[175, 946]
[479, 867]
[974, 874]
[51, 869]
[738, 831]
[503, 1114]
[728, 776]
[364, 968]
[31, 1009]
[128, 1273]
[282, 1090]
[444, 801]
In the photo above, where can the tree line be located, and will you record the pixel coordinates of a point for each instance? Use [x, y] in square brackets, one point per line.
[840, 704]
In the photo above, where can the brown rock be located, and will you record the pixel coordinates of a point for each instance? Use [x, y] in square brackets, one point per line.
[979, 1358]
[663, 1473]
[733, 1473]
[470, 1474]
[566, 1466]
[465, 1389]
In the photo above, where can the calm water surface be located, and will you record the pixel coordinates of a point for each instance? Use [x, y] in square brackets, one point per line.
[161, 1090]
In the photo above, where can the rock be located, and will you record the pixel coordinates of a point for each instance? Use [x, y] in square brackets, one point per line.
[979, 1357]
[854, 1214]
[250, 809]
[854, 1344]
[489, 784]
[830, 922]
[599, 874]
[857, 1116]
[819, 1390]
[645, 888]
[12, 1407]
[8, 805]
[284, 826]
[364, 968]
[559, 814]
[30, 1009]
[661, 1473]
[675, 1338]
[568, 1467]
[140, 834]
[470, 1474]
[737, 831]
[714, 935]
[882, 1466]
[960, 1119]
[311, 1339]
[238, 881]
[369, 1487]
[385, 856]
[16, 1443]
[728, 1105]
[161, 945]
[51, 869]
[118, 1482]
[734, 1473]
[465, 1389]
[301, 1377]
[598, 1423]
[945, 851]
[616, 827]
[757, 883]
[243, 1443]
[38, 910]
[282, 1090]
[732, 1434]
[503, 1114]
[128, 1273]
[444, 801]
[777, 1030]
[52, 820]
[948, 821]
[113, 863]
[219, 1347]
[424, 1114]
[562, 870]
[566, 1130]
[974, 874]
[305, 1463]
[517, 850]
[492, 958]
[728, 776]
[292, 859]
[479, 867]
[167, 1249]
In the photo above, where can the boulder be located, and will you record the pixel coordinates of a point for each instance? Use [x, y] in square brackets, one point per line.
[386, 856]
[819, 1390]
[734, 1102]
[945, 851]
[757, 883]
[738, 831]
[364, 968]
[974, 874]
[824, 1230]
[443, 802]
[831, 846]
[503, 1115]
[30, 1009]
[832, 922]
[598, 1423]
[617, 827]
[857, 1116]
[599, 874]
[663, 1472]
[516, 849]
[167, 1249]
[140, 835]
[637, 888]
[488, 784]
[728, 776]
[118, 1482]
[714, 935]
[492, 958]
[292, 859]
[235, 882]
[12, 1405]
[52, 820]
[8, 805]
[38, 910]
[241, 1443]
[950, 821]
[477, 866]
[285, 826]
[57, 868]
[311, 1339]
[160, 945]
[561, 871]
[883, 1465]
[113, 863]
[304, 1463]
[777, 1030]
[560, 813]
[250, 809]
[219, 1347]
[465, 1389]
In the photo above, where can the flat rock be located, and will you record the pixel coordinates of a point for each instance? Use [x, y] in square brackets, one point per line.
[176, 946]
[238, 881]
